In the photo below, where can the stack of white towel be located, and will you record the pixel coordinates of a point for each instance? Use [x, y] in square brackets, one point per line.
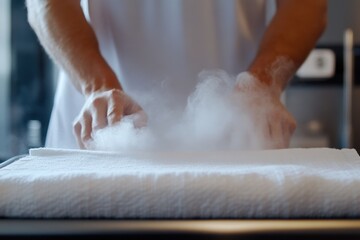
[289, 183]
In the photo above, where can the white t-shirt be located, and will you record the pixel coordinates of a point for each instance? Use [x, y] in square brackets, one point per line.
[163, 43]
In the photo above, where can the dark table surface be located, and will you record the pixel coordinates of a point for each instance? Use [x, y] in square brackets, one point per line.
[179, 229]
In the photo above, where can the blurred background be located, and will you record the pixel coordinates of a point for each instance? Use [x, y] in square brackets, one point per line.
[324, 96]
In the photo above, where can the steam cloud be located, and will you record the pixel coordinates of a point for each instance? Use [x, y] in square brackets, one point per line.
[216, 117]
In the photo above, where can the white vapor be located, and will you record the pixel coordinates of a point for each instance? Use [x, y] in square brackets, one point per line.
[214, 118]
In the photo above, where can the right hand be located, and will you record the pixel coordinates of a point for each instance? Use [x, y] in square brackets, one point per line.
[271, 124]
[102, 109]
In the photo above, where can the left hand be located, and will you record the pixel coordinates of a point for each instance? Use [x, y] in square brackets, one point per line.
[103, 109]
[272, 125]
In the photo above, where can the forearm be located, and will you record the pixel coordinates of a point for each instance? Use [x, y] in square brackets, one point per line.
[70, 41]
[289, 38]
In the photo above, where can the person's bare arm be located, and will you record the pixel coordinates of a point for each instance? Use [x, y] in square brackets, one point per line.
[290, 36]
[71, 42]
[68, 38]
[287, 41]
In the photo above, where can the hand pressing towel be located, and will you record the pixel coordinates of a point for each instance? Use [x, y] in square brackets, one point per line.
[289, 183]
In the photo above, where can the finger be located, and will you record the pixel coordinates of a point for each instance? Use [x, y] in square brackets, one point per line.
[86, 128]
[279, 136]
[266, 139]
[140, 119]
[77, 132]
[99, 114]
[259, 132]
[269, 135]
[114, 111]
[288, 130]
[130, 106]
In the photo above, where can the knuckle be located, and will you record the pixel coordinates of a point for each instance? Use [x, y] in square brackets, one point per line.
[115, 94]
[97, 102]
[115, 91]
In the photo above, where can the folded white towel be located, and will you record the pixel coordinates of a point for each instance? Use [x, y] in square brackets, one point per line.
[287, 183]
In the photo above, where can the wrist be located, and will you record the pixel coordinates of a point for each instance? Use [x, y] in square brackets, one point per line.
[247, 82]
[100, 84]
[273, 72]
[99, 78]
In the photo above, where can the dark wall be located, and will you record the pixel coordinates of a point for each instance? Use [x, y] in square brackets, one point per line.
[324, 102]
[31, 84]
